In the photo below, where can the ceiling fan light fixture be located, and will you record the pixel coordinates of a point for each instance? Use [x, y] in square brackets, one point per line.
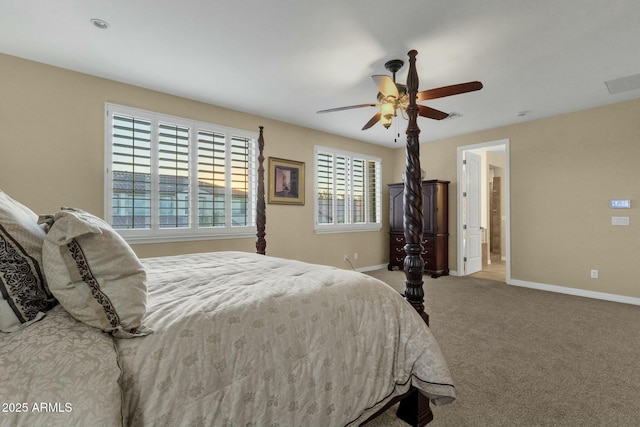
[387, 112]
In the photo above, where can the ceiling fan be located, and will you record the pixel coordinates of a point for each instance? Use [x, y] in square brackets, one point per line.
[393, 96]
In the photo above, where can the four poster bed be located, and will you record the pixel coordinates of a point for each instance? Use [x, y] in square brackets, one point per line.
[224, 339]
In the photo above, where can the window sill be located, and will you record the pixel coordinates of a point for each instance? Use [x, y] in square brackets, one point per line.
[135, 240]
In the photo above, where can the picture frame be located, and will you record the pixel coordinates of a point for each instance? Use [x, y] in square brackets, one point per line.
[286, 182]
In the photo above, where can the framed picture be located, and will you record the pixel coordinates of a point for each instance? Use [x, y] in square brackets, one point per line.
[286, 182]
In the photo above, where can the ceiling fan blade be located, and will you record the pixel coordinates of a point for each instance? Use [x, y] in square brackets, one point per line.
[375, 119]
[386, 86]
[431, 113]
[331, 110]
[441, 92]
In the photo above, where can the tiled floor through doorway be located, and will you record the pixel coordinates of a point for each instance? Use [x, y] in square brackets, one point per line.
[497, 270]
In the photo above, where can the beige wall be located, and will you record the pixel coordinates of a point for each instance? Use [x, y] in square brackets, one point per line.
[564, 170]
[52, 154]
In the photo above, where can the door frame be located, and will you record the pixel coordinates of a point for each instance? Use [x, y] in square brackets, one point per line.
[478, 148]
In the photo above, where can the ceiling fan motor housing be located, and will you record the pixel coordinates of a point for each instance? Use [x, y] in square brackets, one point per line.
[394, 65]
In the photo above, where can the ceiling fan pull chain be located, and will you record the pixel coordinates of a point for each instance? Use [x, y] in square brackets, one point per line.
[395, 140]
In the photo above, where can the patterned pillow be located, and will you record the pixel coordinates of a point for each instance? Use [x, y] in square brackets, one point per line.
[24, 296]
[94, 274]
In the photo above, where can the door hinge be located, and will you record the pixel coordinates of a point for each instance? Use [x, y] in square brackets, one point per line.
[464, 162]
[464, 227]
[464, 194]
[465, 259]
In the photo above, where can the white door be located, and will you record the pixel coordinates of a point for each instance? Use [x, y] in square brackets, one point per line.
[473, 216]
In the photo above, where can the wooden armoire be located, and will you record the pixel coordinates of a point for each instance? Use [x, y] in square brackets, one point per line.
[435, 232]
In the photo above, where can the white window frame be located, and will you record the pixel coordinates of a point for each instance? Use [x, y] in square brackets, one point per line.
[348, 226]
[155, 234]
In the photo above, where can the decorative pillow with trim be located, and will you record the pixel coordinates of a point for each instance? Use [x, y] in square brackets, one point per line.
[24, 296]
[94, 274]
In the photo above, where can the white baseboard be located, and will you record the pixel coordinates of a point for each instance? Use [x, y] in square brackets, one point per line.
[380, 266]
[574, 291]
[371, 268]
[544, 287]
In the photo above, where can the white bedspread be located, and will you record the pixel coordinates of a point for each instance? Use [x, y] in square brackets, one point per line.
[249, 340]
[59, 372]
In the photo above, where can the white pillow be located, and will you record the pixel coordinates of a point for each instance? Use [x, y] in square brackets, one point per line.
[24, 296]
[94, 274]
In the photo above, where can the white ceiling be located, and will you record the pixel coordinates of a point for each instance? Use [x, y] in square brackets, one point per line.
[287, 59]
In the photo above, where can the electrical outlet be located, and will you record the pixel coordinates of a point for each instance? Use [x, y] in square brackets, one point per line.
[345, 258]
[355, 256]
[594, 274]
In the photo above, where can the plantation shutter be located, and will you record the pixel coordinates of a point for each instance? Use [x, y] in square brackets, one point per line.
[324, 185]
[173, 179]
[211, 179]
[241, 177]
[358, 201]
[347, 191]
[131, 172]
[373, 191]
[173, 167]
[340, 176]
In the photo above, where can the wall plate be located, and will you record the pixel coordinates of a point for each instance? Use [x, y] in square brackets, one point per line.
[619, 220]
[620, 204]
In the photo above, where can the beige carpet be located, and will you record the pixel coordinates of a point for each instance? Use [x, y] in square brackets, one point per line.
[522, 357]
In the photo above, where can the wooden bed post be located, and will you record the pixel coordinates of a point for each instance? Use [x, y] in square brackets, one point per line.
[261, 215]
[413, 216]
[414, 409]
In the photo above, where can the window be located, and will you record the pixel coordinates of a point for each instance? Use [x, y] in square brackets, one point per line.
[170, 178]
[348, 191]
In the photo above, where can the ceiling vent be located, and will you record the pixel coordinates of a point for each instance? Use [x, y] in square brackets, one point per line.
[623, 84]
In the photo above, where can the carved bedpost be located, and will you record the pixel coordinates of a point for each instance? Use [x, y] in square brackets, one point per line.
[261, 215]
[413, 217]
[414, 409]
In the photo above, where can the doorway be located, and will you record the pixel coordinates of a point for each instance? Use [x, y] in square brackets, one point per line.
[483, 210]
